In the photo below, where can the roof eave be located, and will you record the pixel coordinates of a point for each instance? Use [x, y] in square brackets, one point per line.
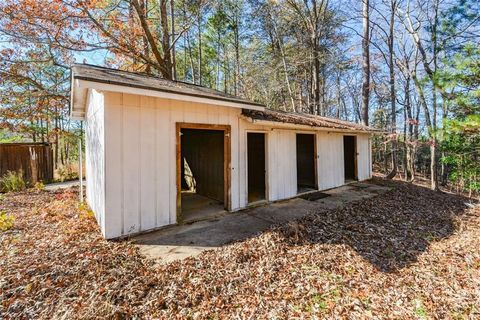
[80, 85]
[295, 126]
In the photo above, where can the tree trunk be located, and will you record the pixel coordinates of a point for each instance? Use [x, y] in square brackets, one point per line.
[284, 64]
[409, 137]
[174, 62]
[199, 21]
[163, 59]
[144, 8]
[366, 62]
[237, 49]
[393, 97]
[431, 134]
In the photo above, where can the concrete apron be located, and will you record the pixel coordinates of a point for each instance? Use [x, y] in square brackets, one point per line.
[182, 241]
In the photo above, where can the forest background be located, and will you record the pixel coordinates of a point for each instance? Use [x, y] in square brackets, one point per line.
[408, 67]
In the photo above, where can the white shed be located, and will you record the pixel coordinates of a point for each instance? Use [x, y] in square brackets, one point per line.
[161, 152]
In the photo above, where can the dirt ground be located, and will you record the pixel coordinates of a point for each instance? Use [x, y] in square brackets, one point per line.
[407, 253]
[189, 240]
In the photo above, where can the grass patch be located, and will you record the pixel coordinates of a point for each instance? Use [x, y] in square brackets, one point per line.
[6, 221]
[13, 181]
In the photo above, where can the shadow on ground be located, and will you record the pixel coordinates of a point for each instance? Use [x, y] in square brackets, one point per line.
[390, 230]
[388, 223]
[182, 241]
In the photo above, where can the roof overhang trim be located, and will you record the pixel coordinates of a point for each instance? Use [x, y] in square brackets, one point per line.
[294, 126]
[80, 87]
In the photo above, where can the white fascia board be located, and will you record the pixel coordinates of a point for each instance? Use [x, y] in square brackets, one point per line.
[166, 95]
[301, 127]
[78, 101]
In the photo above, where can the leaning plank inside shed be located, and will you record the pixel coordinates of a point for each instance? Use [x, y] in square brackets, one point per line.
[203, 173]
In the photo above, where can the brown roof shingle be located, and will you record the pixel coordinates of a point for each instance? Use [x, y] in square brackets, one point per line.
[145, 81]
[306, 119]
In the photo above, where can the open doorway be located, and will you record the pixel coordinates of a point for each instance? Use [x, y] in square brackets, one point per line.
[202, 175]
[256, 166]
[350, 157]
[306, 173]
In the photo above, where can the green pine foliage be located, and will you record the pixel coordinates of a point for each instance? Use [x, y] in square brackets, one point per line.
[461, 143]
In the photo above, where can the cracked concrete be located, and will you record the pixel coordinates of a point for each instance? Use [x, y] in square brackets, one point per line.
[182, 241]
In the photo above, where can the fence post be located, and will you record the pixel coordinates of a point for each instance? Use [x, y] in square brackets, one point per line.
[80, 168]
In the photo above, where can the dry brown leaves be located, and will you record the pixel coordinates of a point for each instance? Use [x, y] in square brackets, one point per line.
[409, 253]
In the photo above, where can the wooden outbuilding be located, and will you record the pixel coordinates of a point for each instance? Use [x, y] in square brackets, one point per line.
[162, 152]
[34, 160]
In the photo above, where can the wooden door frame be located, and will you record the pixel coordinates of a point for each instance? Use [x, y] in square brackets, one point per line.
[355, 155]
[226, 160]
[265, 137]
[315, 155]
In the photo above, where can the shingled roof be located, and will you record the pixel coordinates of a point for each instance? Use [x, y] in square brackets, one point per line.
[144, 81]
[306, 119]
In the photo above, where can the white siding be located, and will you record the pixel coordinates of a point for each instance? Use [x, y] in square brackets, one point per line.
[141, 158]
[282, 175]
[95, 156]
[281, 162]
[330, 161]
[364, 157]
[131, 158]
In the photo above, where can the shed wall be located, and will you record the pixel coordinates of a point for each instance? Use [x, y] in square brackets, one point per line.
[282, 174]
[95, 157]
[364, 161]
[330, 161]
[141, 158]
[135, 139]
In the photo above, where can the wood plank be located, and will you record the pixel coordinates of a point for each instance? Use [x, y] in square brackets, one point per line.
[147, 167]
[35, 160]
[131, 169]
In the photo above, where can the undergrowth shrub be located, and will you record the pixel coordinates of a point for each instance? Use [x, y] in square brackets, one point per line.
[85, 211]
[6, 221]
[39, 186]
[12, 181]
[66, 172]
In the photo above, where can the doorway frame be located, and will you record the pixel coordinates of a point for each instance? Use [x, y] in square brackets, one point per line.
[355, 156]
[315, 157]
[226, 161]
[267, 189]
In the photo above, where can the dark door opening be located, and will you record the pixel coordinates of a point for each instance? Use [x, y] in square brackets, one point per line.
[202, 173]
[256, 166]
[306, 173]
[350, 157]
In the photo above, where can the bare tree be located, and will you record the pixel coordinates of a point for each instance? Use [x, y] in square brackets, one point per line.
[366, 61]
[413, 30]
[393, 96]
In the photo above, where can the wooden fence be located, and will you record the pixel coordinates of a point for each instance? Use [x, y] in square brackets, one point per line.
[34, 159]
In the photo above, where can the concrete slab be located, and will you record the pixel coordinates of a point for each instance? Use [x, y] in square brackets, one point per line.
[196, 207]
[63, 185]
[182, 241]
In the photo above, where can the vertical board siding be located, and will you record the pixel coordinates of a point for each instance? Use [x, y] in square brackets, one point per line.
[131, 154]
[140, 159]
[95, 156]
[282, 164]
[363, 157]
[235, 159]
[113, 165]
[164, 147]
[330, 162]
[147, 164]
[35, 160]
